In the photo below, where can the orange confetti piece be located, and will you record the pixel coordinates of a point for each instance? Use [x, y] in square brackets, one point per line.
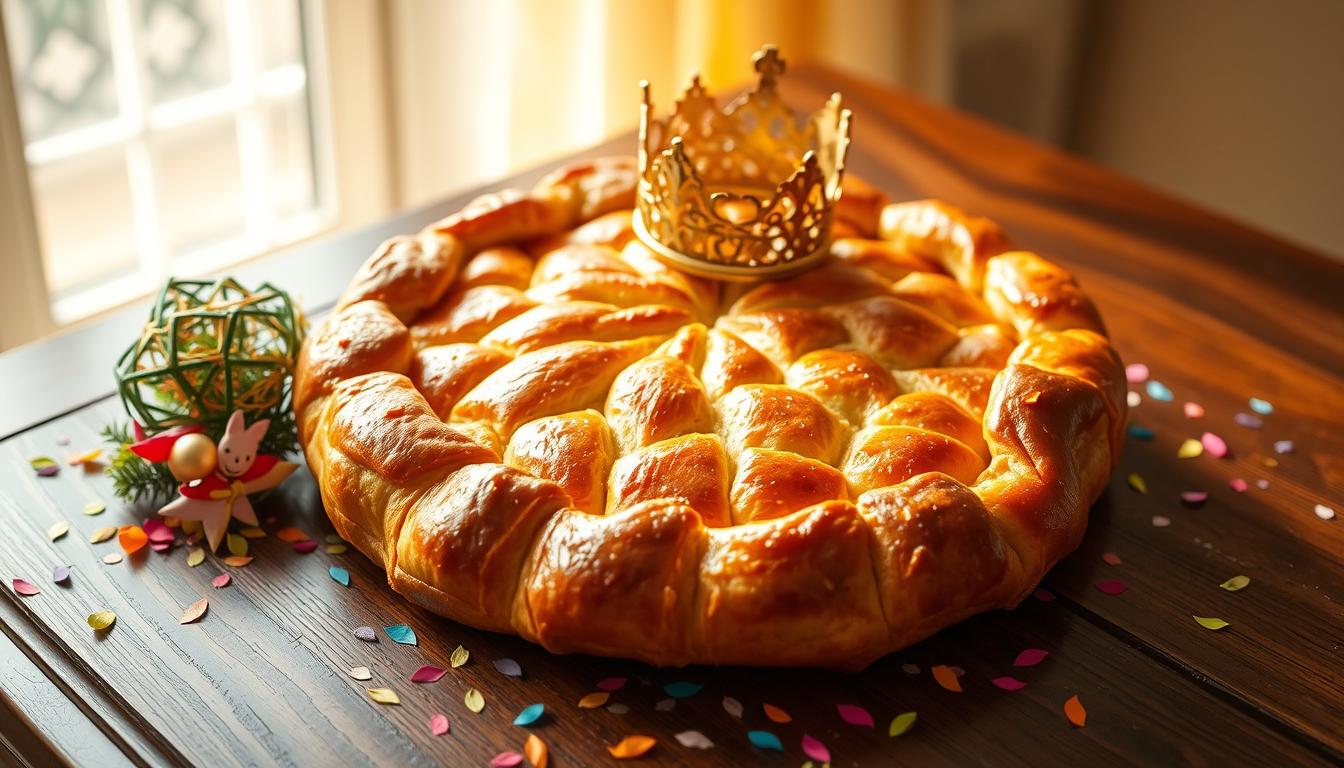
[535, 751]
[84, 458]
[132, 538]
[237, 561]
[1073, 709]
[631, 747]
[594, 700]
[947, 678]
[291, 535]
[776, 714]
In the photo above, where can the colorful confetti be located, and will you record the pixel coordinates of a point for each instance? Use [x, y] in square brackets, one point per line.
[401, 633]
[1237, 484]
[1161, 521]
[617, 708]
[474, 700]
[336, 549]
[339, 575]
[506, 760]
[1030, 657]
[665, 705]
[1008, 683]
[44, 466]
[765, 740]
[1236, 583]
[636, 746]
[1111, 587]
[1262, 407]
[1136, 482]
[366, 634]
[732, 706]
[855, 715]
[1110, 558]
[132, 538]
[681, 690]
[304, 547]
[1189, 449]
[594, 700]
[1159, 391]
[1139, 433]
[112, 558]
[438, 724]
[458, 658]
[1074, 711]
[194, 611]
[775, 714]
[428, 674]
[947, 678]
[1136, 373]
[1133, 399]
[95, 508]
[221, 581]
[1248, 421]
[694, 740]
[291, 535]
[1194, 498]
[530, 714]
[241, 561]
[508, 667]
[536, 751]
[1324, 512]
[57, 530]
[901, 723]
[815, 750]
[1283, 446]
[195, 557]
[384, 695]
[102, 534]
[1214, 445]
[252, 532]
[26, 588]
[60, 574]
[611, 684]
[102, 620]
[360, 673]
[1210, 623]
[1194, 411]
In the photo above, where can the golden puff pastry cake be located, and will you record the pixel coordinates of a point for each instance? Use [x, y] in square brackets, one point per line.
[537, 427]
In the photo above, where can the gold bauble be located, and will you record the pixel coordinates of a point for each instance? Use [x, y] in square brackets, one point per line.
[192, 457]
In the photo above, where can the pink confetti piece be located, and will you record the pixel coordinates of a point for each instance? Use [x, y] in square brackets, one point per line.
[438, 725]
[157, 531]
[1161, 521]
[1044, 595]
[1213, 445]
[815, 750]
[1194, 498]
[1136, 373]
[26, 588]
[1008, 683]
[1237, 484]
[612, 684]
[160, 546]
[1284, 446]
[1110, 558]
[854, 715]
[1194, 411]
[1111, 586]
[221, 581]
[304, 547]
[428, 674]
[1030, 657]
[506, 760]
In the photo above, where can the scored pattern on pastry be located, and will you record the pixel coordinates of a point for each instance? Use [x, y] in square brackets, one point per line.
[536, 426]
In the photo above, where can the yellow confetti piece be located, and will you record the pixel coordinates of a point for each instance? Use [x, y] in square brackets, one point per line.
[535, 751]
[384, 695]
[58, 530]
[101, 620]
[474, 700]
[775, 714]
[1190, 449]
[947, 678]
[332, 538]
[1073, 709]
[902, 723]
[631, 747]
[336, 549]
[594, 700]
[459, 657]
[102, 534]
[1210, 623]
[112, 558]
[253, 532]
[1136, 482]
[95, 508]
[1236, 583]
[195, 557]
[85, 458]
[194, 611]
[237, 545]
[236, 561]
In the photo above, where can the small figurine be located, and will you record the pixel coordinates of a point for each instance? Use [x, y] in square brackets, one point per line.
[216, 481]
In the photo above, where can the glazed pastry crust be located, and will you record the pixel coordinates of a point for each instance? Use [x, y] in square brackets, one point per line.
[537, 427]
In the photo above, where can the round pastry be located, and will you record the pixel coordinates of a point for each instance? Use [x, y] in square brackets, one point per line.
[537, 427]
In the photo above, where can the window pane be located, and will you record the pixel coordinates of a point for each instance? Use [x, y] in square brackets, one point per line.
[199, 184]
[62, 64]
[291, 173]
[84, 220]
[186, 50]
[281, 32]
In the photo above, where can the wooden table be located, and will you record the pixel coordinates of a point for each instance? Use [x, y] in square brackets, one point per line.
[1219, 313]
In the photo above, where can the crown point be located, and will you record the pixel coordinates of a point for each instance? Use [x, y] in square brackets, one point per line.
[769, 65]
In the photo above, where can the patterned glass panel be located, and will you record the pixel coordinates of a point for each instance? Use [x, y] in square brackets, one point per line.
[62, 64]
[186, 47]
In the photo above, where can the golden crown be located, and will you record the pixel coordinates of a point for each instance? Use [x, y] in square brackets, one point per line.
[745, 192]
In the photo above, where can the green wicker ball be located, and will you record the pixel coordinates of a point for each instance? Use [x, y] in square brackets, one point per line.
[208, 349]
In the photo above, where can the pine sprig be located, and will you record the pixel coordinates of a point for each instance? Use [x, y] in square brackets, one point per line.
[133, 478]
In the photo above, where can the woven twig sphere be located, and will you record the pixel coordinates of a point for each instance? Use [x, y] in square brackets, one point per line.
[210, 348]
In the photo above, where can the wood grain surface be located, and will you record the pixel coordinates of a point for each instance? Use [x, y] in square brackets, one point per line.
[1219, 313]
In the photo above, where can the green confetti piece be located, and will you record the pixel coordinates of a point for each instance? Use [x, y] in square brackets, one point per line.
[902, 723]
[1236, 583]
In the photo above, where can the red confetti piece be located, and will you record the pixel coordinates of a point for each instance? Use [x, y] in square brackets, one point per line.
[815, 750]
[1110, 558]
[1194, 411]
[1111, 586]
[1194, 498]
[855, 715]
[611, 684]
[158, 447]
[438, 725]
[1238, 484]
[304, 547]
[1030, 657]
[428, 674]
[26, 588]
[1073, 709]
[1213, 445]
[1136, 373]
[221, 581]
[947, 678]
[1008, 683]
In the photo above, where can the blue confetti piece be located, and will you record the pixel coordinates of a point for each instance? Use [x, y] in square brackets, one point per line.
[682, 690]
[1140, 433]
[1262, 407]
[1159, 391]
[339, 575]
[530, 714]
[765, 740]
[400, 633]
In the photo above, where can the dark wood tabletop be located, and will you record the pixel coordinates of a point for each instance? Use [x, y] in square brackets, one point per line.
[1218, 312]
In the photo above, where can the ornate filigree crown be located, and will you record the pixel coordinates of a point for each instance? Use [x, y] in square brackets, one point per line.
[745, 192]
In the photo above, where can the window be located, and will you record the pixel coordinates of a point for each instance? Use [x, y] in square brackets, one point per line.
[163, 137]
